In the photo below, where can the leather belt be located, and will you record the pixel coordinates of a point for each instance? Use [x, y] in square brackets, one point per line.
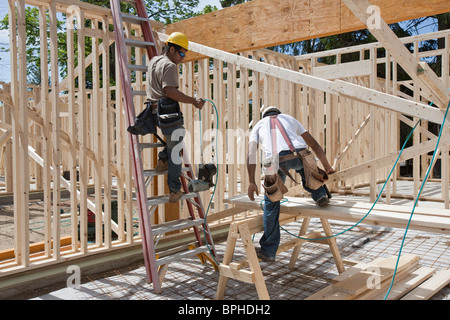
[153, 106]
[288, 157]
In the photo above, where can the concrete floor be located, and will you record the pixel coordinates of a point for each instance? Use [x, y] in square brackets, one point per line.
[188, 279]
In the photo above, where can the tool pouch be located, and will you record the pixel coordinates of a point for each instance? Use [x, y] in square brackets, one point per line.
[315, 177]
[274, 189]
[169, 114]
[143, 123]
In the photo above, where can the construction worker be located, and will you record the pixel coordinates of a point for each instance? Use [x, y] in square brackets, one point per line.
[266, 135]
[164, 96]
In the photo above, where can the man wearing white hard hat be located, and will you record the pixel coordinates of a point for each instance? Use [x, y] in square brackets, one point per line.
[284, 141]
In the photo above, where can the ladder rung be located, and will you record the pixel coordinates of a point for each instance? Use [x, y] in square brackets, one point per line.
[175, 225]
[137, 67]
[139, 93]
[151, 145]
[165, 198]
[153, 172]
[184, 254]
[132, 18]
[138, 43]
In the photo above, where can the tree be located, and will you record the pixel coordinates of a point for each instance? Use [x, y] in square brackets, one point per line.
[32, 44]
[165, 11]
[229, 3]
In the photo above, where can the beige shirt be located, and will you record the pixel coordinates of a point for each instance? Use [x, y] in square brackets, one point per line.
[162, 72]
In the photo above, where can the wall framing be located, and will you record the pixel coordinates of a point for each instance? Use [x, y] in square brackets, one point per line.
[66, 127]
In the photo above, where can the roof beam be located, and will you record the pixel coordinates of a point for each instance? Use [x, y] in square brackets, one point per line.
[420, 72]
[264, 23]
[338, 87]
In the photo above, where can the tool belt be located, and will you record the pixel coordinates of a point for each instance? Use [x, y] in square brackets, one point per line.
[144, 122]
[274, 187]
[169, 114]
[314, 176]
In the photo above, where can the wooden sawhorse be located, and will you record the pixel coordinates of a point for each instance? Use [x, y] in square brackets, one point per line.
[244, 229]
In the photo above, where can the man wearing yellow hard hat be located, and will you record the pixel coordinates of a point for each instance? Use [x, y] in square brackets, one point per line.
[164, 96]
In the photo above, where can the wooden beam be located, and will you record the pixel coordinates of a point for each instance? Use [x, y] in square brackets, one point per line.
[430, 287]
[21, 169]
[304, 207]
[420, 73]
[389, 160]
[264, 23]
[338, 87]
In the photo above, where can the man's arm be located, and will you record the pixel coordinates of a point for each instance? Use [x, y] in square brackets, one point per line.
[251, 169]
[318, 150]
[175, 94]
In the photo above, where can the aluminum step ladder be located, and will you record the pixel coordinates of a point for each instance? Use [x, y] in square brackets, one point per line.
[155, 262]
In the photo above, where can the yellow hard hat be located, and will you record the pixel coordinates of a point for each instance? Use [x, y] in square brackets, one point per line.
[179, 38]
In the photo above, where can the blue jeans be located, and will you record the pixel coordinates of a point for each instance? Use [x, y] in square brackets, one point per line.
[270, 240]
[172, 153]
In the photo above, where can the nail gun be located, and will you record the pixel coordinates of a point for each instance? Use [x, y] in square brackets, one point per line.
[204, 181]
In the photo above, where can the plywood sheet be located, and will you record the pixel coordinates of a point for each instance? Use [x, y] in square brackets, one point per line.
[264, 23]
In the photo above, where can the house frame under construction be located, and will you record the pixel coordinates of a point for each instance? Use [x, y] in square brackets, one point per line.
[60, 130]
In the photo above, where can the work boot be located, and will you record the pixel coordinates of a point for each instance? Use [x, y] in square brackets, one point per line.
[175, 196]
[323, 201]
[263, 257]
[162, 166]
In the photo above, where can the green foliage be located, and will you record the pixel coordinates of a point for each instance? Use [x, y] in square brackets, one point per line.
[229, 3]
[166, 11]
[33, 43]
[171, 11]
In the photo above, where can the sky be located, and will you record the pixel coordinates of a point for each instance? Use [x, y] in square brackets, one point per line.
[4, 42]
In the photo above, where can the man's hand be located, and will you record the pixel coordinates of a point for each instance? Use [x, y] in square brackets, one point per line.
[252, 188]
[199, 103]
[330, 171]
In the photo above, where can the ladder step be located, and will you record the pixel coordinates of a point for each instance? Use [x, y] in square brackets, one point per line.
[132, 18]
[153, 172]
[138, 43]
[138, 67]
[175, 225]
[139, 93]
[184, 254]
[151, 145]
[165, 198]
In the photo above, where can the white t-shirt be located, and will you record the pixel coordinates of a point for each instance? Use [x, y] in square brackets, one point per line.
[261, 134]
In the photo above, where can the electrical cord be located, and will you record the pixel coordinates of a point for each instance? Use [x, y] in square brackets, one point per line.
[217, 173]
[417, 199]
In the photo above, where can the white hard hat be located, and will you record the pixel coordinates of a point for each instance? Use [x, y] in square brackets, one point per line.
[270, 109]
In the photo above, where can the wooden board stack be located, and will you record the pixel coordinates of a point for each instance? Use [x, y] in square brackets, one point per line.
[371, 281]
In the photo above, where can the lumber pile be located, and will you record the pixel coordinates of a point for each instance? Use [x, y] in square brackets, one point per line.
[371, 281]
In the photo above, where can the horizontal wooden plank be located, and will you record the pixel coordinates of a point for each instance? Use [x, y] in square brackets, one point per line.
[406, 284]
[338, 87]
[264, 23]
[357, 284]
[305, 207]
[430, 287]
[345, 70]
[241, 275]
[352, 284]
